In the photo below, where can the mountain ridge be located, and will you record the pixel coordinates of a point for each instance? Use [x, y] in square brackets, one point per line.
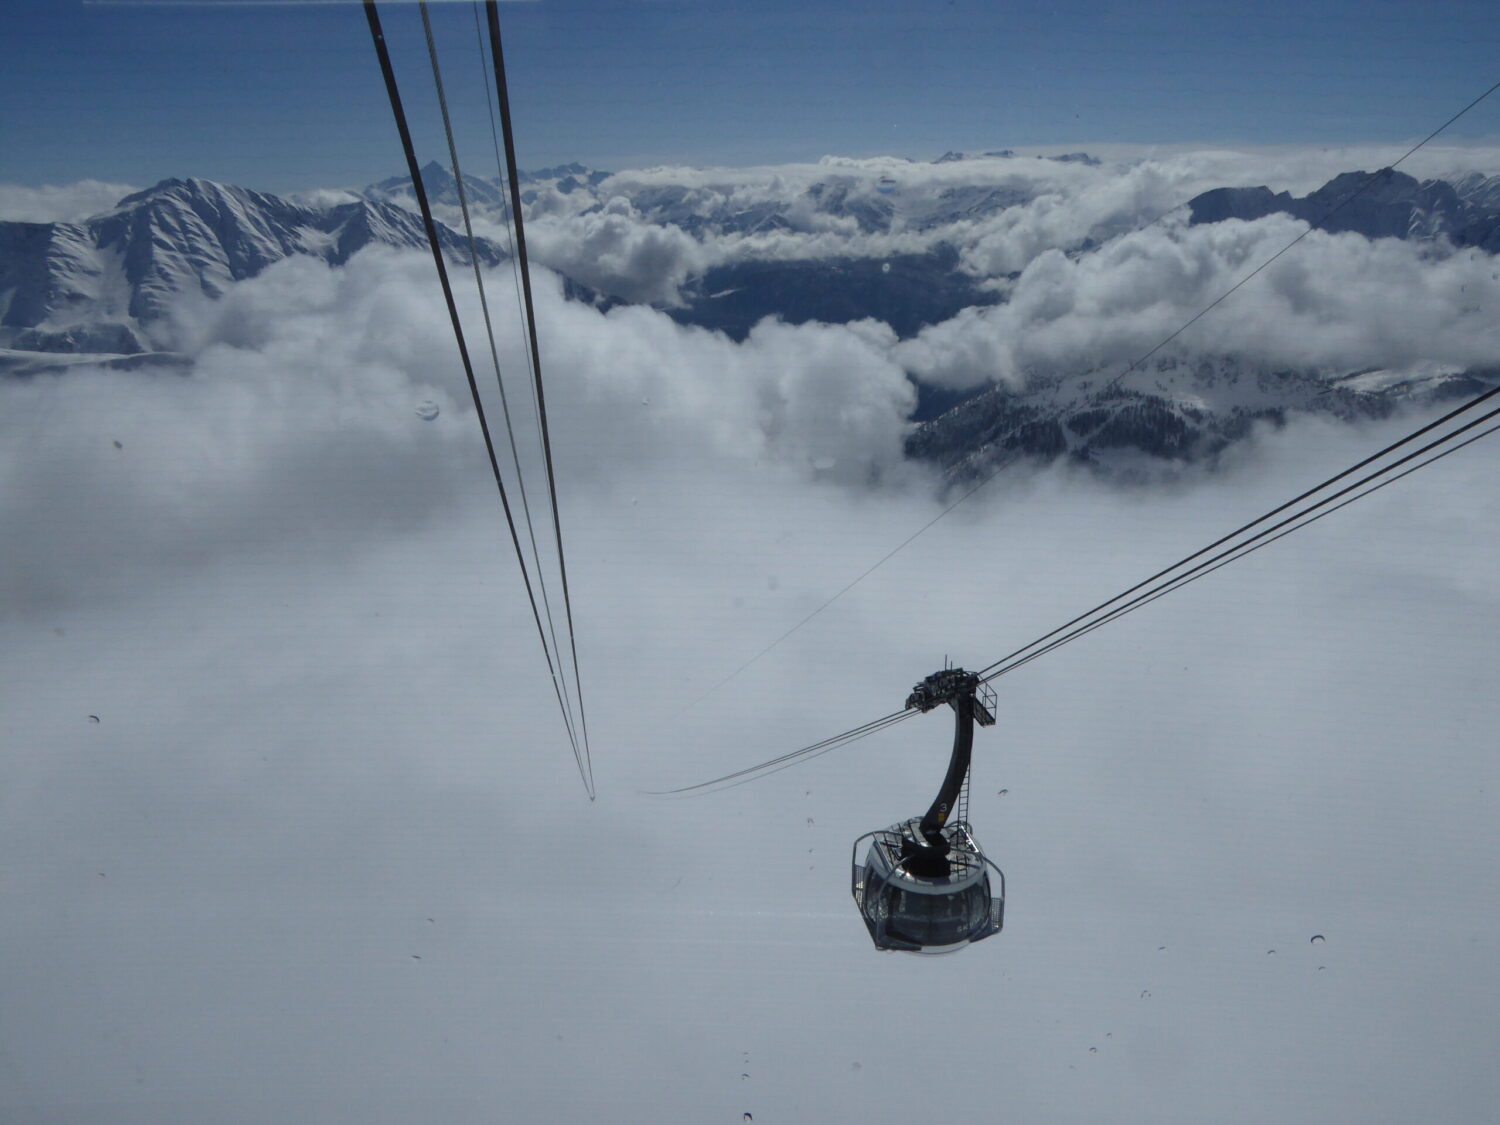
[106, 284]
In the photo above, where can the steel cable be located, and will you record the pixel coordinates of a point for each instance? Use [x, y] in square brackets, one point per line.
[377, 35]
[492, 13]
[806, 753]
[463, 203]
[1249, 546]
[1428, 428]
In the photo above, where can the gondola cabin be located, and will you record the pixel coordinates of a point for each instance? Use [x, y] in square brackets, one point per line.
[915, 900]
[925, 885]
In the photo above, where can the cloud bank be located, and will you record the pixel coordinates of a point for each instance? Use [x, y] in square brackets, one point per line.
[1095, 264]
[1338, 301]
[1000, 213]
[303, 395]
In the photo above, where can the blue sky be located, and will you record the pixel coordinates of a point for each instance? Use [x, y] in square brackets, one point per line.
[288, 97]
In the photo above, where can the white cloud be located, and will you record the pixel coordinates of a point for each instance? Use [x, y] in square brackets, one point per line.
[615, 251]
[1338, 301]
[303, 396]
[59, 203]
[331, 197]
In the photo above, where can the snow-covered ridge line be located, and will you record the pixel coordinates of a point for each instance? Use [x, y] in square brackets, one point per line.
[106, 285]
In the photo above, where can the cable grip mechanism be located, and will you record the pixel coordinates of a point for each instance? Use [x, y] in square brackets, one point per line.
[951, 685]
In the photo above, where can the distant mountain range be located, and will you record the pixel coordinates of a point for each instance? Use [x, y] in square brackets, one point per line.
[1176, 411]
[485, 192]
[104, 286]
[1384, 204]
[99, 291]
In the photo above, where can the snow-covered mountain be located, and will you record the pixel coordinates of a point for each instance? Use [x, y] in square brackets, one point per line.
[484, 193]
[1390, 204]
[1175, 411]
[104, 285]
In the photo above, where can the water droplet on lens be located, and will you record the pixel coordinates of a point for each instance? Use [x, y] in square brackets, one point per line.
[743, 1077]
[427, 411]
[1318, 939]
[885, 267]
[1322, 967]
[119, 446]
[749, 1118]
[1002, 792]
[1145, 992]
[1270, 952]
[809, 822]
[1093, 1050]
[855, 1066]
[93, 718]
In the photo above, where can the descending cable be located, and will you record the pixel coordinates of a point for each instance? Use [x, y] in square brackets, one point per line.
[806, 753]
[1244, 550]
[1239, 550]
[1370, 181]
[492, 12]
[389, 74]
[508, 205]
[463, 203]
[1341, 504]
[1471, 404]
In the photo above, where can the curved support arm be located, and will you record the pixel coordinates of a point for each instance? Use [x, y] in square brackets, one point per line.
[958, 768]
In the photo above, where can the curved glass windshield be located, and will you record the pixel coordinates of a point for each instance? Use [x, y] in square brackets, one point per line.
[938, 919]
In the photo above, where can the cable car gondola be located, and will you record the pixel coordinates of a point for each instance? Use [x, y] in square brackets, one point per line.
[925, 886]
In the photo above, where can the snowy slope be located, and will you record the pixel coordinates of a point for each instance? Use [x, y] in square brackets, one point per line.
[1174, 411]
[105, 285]
[1388, 204]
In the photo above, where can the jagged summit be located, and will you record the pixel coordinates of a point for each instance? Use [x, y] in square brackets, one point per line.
[1389, 204]
[104, 285]
[955, 157]
[441, 188]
